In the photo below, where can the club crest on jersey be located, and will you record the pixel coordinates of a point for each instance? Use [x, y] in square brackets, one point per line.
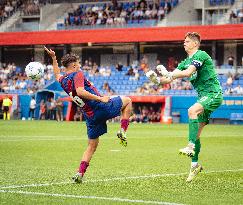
[193, 76]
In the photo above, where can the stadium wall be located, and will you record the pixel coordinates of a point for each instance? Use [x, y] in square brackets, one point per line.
[231, 104]
[227, 32]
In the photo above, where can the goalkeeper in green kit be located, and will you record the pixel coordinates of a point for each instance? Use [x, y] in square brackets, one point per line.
[199, 68]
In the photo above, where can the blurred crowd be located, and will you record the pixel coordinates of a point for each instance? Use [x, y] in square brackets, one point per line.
[118, 13]
[236, 16]
[151, 89]
[31, 7]
[14, 80]
[50, 109]
[7, 8]
[230, 88]
[145, 114]
[27, 7]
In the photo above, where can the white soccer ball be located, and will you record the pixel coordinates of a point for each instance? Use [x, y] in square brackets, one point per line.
[34, 70]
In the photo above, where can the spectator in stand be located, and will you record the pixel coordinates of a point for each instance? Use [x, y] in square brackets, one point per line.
[108, 90]
[86, 66]
[130, 72]
[161, 13]
[233, 17]
[105, 71]
[231, 60]
[8, 9]
[238, 90]
[119, 67]
[240, 16]
[167, 6]
[95, 70]
[229, 81]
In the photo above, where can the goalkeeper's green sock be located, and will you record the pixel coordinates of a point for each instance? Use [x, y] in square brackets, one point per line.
[193, 130]
[197, 150]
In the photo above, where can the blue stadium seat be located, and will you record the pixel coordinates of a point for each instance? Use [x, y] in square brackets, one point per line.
[241, 82]
[236, 118]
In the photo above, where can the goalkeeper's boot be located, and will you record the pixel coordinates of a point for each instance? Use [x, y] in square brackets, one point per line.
[123, 138]
[153, 77]
[77, 178]
[188, 150]
[193, 172]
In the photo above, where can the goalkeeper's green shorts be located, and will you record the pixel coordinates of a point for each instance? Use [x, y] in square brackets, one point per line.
[210, 102]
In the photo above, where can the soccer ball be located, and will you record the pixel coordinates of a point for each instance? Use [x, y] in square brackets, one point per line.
[34, 70]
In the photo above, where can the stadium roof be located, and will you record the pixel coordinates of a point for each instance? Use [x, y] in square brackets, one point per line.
[122, 35]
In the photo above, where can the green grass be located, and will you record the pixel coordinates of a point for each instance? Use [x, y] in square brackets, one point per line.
[39, 152]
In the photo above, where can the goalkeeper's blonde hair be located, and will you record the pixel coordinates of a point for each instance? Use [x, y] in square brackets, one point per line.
[194, 36]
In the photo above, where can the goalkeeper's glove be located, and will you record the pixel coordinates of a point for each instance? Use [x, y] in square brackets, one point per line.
[153, 77]
[162, 70]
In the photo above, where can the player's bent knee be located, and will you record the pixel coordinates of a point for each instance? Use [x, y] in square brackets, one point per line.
[126, 100]
[192, 112]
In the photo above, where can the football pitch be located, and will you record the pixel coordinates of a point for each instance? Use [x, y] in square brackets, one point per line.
[38, 158]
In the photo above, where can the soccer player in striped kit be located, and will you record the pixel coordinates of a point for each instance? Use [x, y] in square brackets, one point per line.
[96, 109]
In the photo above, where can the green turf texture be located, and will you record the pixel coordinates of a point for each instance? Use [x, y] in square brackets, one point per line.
[37, 152]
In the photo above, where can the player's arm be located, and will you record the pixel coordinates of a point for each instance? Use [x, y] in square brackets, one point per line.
[183, 73]
[56, 69]
[79, 86]
[177, 73]
[89, 96]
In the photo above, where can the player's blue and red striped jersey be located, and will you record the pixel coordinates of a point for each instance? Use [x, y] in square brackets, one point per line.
[70, 82]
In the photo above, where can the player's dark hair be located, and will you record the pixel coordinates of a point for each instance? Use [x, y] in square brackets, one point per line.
[68, 59]
[194, 36]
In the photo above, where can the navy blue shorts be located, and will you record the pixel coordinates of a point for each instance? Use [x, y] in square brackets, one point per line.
[96, 126]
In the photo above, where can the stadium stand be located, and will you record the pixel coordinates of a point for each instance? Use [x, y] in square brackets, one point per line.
[128, 14]
[129, 80]
[8, 8]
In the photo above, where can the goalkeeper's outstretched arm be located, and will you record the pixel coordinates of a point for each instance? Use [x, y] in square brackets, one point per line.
[176, 73]
[183, 73]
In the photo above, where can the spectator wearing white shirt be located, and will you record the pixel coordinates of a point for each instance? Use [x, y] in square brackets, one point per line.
[32, 109]
[238, 90]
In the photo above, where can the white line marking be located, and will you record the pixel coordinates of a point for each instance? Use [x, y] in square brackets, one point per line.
[115, 179]
[90, 197]
[115, 150]
[49, 138]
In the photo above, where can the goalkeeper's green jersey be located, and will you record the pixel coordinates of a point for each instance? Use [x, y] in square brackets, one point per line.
[204, 79]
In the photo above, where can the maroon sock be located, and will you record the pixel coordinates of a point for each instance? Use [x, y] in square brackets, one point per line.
[82, 167]
[124, 124]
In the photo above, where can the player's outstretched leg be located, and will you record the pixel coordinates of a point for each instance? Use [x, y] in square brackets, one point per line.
[194, 127]
[125, 115]
[92, 145]
[194, 172]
